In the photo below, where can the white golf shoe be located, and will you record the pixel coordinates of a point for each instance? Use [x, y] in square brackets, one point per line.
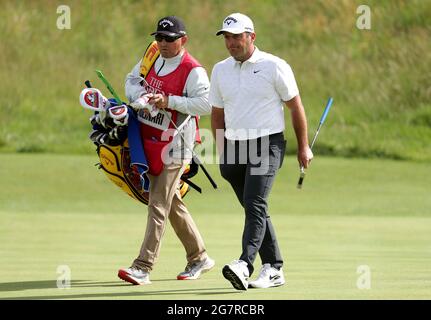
[237, 273]
[268, 277]
[134, 276]
[193, 271]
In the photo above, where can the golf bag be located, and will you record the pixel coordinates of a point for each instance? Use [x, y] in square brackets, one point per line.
[115, 162]
[110, 135]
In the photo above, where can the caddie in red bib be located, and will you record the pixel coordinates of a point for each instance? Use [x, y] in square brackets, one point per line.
[168, 89]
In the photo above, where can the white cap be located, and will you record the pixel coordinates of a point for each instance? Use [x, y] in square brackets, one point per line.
[236, 23]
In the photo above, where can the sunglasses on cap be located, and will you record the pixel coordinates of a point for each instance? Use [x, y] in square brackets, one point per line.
[161, 37]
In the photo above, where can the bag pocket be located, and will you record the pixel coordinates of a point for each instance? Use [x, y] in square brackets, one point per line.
[154, 151]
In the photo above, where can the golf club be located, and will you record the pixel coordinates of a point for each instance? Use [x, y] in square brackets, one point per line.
[322, 120]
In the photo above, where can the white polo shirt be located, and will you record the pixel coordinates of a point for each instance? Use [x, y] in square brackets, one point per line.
[252, 94]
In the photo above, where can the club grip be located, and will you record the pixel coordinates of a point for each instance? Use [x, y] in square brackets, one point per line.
[108, 85]
[325, 112]
[88, 84]
[299, 186]
[301, 178]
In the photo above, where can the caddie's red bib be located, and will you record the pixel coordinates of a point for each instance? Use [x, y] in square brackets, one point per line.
[173, 83]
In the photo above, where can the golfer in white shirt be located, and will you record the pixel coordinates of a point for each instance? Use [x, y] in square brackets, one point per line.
[248, 93]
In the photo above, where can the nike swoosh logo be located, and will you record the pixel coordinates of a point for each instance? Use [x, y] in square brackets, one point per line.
[256, 71]
[274, 277]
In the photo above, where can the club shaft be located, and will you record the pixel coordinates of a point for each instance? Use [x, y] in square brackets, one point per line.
[325, 112]
[108, 85]
[315, 136]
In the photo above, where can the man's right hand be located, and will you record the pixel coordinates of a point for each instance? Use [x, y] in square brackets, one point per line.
[305, 156]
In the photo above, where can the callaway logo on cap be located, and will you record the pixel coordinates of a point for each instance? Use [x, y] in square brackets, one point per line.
[165, 23]
[229, 20]
[171, 26]
[236, 23]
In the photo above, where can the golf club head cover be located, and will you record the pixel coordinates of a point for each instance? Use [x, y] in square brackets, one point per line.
[119, 114]
[92, 99]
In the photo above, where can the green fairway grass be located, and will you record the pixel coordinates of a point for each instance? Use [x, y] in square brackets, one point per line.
[60, 210]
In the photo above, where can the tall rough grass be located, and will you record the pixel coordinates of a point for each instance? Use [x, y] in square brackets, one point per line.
[380, 78]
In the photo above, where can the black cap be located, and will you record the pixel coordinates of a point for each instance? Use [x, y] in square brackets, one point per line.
[171, 26]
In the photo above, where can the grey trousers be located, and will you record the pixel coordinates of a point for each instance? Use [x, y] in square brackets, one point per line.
[250, 167]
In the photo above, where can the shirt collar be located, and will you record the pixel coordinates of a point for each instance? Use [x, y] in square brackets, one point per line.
[174, 60]
[255, 57]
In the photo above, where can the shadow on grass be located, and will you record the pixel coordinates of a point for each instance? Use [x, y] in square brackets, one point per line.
[30, 285]
[49, 284]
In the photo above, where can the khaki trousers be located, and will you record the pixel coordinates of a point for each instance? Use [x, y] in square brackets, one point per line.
[165, 202]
